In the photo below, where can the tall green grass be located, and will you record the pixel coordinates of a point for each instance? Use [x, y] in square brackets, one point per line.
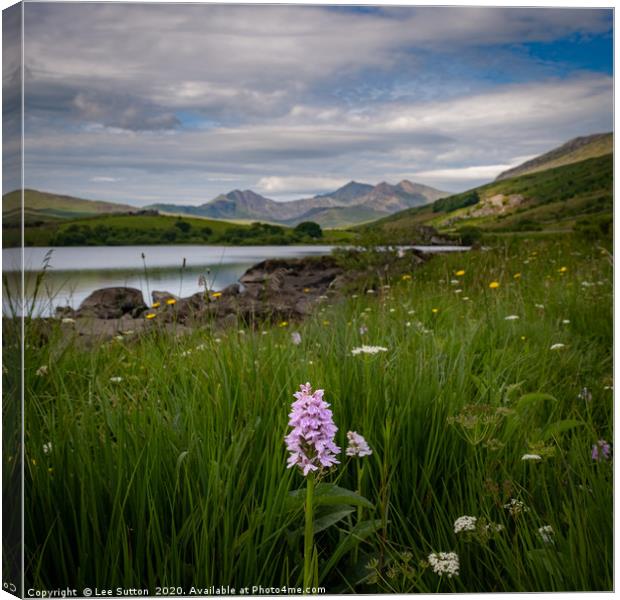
[176, 475]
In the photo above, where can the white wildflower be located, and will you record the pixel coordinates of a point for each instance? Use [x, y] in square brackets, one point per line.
[454, 281]
[465, 298]
[494, 527]
[459, 291]
[444, 563]
[47, 448]
[296, 338]
[516, 507]
[565, 321]
[392, 310]
[541, 306]
[585, 394]
[363, 330]
[557, 346]
[546, 534]
[531, 457]
[67, 320]
[357, 445]
[368, 350]
[116, 379]
[42, 370]
[511, 318]
[465, 523]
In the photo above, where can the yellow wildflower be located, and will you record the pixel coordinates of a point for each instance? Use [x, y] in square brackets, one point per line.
[459, 273]
[435, 310]
[283, 323]
[216, 294]
[325, 322]
[155, 305]
[562, 269]
[171, 301]
[406, 277]
[151, 316]
[494, 285]
[517, 275]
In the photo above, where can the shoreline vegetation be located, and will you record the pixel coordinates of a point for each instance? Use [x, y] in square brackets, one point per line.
[481, 382]
[154, 229]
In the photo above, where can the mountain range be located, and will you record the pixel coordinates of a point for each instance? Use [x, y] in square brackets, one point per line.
[351, 204]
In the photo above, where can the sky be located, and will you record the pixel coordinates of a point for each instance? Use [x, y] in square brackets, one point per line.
[177, 103]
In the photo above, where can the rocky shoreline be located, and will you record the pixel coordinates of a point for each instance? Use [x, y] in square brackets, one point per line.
[271, 291]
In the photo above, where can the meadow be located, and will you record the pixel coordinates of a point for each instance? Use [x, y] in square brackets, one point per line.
[484, 390]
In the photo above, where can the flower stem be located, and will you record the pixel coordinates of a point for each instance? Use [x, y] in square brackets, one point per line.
[309, 532]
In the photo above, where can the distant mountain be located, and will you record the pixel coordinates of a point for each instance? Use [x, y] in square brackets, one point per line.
[363, 202]
[573, 151]
[348, 192]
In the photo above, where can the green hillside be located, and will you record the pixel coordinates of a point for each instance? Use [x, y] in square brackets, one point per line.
[46, 206]
[575, 196]
[124, 229]
[573, 151]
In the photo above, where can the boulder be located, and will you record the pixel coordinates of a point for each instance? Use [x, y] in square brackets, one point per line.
[112, 303]
[161, 297]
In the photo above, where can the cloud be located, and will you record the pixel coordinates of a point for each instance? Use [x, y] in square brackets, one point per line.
[464, 173]
[299, 185]
[185, 101]
[102, 179]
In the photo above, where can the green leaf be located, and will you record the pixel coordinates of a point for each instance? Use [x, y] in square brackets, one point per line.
[327, 494]
[330, 518]
[530, 402]
[181, 458]
[560, 427]
[358, 534]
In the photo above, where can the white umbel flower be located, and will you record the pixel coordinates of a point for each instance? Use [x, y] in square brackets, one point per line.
[465, 523]
[368, 350]
[511, 318]
[516, 507]
[445, 563]
[546, 534]
[531, 457]
[557, 346]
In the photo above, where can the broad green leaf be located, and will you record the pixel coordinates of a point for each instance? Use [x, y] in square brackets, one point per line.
[533, 401]
[560, 427]
[358, 534]
[328, 494]
[332, 517]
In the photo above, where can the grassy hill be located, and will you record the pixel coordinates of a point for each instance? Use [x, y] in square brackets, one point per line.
[573, 151]
[44, 206]
[573, 196]
[124, 229]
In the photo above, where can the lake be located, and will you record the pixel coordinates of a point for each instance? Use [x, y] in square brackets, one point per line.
[75, 272]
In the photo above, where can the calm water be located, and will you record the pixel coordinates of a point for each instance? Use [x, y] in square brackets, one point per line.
[76, 272]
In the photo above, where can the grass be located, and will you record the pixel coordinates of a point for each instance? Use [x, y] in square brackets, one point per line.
[176, 475]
